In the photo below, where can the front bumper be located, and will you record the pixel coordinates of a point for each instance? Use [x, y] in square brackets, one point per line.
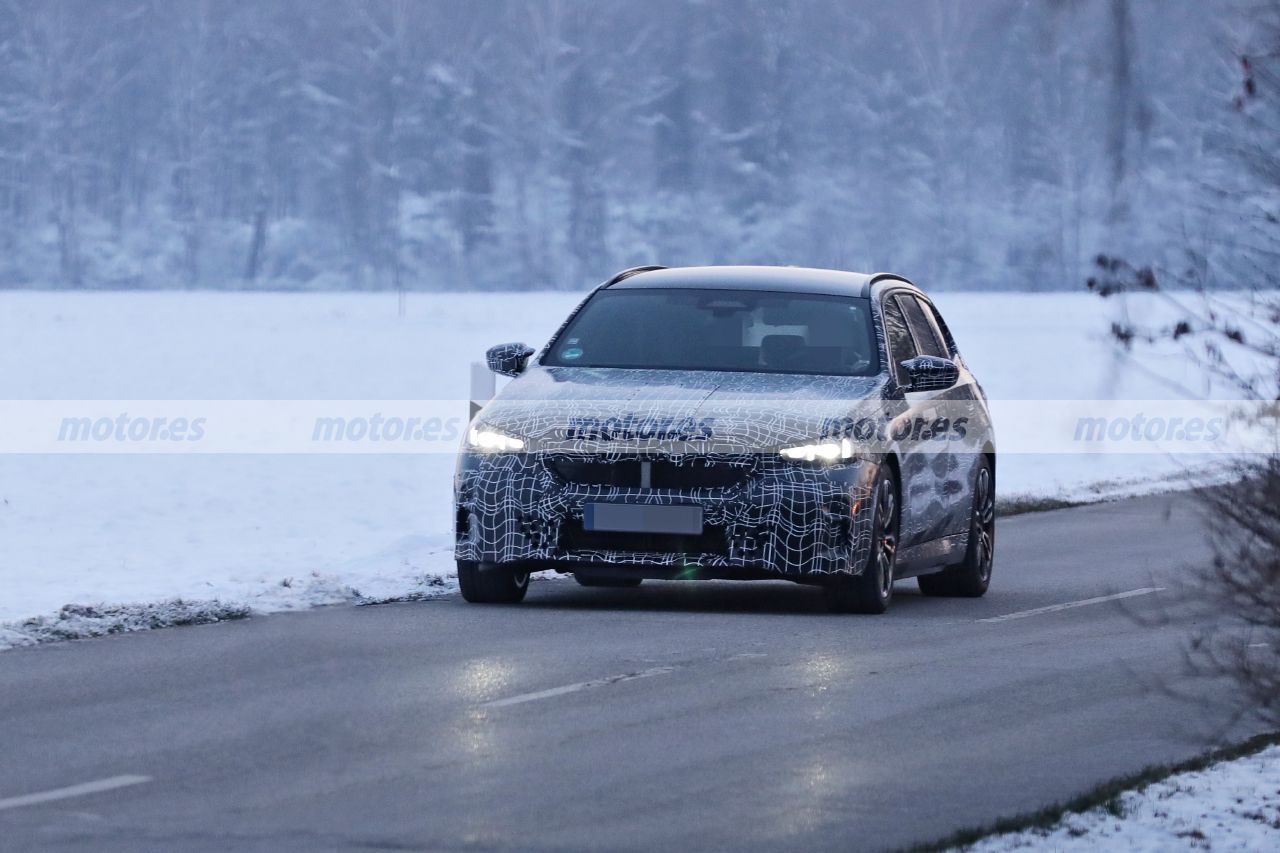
[778, 518]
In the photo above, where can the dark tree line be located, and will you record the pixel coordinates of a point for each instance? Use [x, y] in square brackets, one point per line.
[433, 144]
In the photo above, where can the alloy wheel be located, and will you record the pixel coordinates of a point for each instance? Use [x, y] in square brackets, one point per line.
[886, 536]
[984, 510]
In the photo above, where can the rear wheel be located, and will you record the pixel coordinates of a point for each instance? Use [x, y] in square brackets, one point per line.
[489, 583]
[871, 591]
[587, 579]
[971, 578]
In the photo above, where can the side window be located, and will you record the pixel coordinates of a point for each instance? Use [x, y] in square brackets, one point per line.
[901, 347]
[928, 341]
[932, 311]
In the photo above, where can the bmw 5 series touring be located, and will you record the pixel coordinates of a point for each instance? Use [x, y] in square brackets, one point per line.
[734, 423]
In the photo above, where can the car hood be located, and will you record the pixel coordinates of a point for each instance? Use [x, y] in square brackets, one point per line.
[605, 410]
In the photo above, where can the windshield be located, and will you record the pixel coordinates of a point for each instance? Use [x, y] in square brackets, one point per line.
[744, 330]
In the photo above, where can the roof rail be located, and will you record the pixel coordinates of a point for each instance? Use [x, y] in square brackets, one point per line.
[627, 273]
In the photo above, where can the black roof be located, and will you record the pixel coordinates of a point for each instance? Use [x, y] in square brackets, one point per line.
[784, 279]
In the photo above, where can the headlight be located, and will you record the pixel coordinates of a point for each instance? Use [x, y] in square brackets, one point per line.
[820, 451]
[488, 440]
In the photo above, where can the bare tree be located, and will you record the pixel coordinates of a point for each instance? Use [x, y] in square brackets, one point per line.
[398, 143]
[1235, 337]
[60, 76]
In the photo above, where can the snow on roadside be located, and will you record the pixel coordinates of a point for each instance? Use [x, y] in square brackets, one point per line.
[84, 621]
[394, 575]
[1145, 477]
[1234, 805]
[79, 621]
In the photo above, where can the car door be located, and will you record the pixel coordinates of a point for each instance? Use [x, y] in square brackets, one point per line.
[954, 431]
[905, 410]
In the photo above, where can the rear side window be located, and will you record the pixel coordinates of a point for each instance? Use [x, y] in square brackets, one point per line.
[927, 339]
[901, 347]
[947, 337]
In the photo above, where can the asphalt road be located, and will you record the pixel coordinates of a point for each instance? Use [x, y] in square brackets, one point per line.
[751, 718]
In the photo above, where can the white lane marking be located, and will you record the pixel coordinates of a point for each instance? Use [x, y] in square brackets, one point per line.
[574, 688]
[1054, 608]
[73, 791]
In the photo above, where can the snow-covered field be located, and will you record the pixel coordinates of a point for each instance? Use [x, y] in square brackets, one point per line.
[1234, 805]
[288, 531]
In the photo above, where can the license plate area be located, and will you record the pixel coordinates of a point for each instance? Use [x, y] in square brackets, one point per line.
[642, 518]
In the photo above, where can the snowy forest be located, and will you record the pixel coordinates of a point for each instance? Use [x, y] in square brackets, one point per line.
[544, 144]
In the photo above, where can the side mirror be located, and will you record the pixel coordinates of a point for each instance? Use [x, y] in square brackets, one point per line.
[508, 359]
[930, 373]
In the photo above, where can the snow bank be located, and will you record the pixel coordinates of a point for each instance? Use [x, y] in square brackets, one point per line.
[1234, 805]
[279, 532]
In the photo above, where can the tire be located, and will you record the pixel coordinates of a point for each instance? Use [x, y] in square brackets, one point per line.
[971, 578]
[585, 579]
[486, 583]
[872, 590]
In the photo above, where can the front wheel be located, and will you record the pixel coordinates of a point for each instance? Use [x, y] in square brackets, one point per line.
[489, 583]
[871, 591]
[971, 578]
